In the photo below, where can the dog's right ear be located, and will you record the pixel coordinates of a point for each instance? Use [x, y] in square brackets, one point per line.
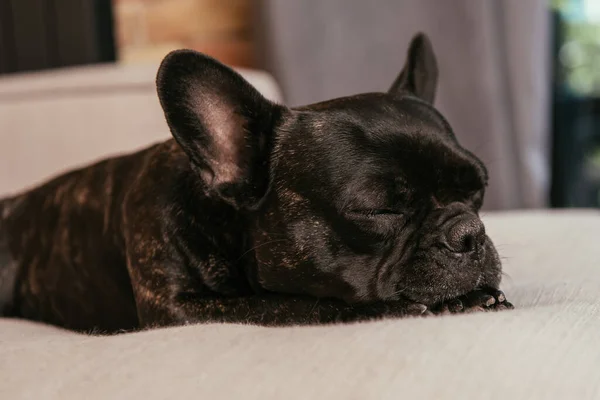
[223, 124]
[420, 73]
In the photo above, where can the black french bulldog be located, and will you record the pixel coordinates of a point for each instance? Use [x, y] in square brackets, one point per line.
[356, 208]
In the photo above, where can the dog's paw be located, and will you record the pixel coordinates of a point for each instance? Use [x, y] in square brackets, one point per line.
[416, 310]
[485, 299]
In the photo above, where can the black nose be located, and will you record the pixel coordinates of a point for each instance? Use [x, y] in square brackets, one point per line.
[465, 235]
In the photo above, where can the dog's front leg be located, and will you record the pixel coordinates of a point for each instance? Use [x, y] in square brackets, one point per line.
[167, 294]
[270, 310]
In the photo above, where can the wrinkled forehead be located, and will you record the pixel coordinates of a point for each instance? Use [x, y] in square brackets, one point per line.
[385, 137]
[377, 115]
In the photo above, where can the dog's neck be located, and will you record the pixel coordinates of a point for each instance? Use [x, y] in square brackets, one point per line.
[216, 233]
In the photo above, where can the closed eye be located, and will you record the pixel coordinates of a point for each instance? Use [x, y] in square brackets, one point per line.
[376, 223]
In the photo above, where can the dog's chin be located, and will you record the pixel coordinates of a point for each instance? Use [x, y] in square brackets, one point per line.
[441, 294]
[443, 287]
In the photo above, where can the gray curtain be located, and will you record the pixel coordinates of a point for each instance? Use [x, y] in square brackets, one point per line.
[494, 71]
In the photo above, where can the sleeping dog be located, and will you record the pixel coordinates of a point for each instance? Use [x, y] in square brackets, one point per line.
[351, 209]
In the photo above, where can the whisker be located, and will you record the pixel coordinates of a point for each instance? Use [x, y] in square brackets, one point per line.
[261, 245]
[363, 297]
[505, 275]
[400, 291]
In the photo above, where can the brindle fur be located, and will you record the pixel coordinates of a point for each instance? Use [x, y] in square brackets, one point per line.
[248, 215]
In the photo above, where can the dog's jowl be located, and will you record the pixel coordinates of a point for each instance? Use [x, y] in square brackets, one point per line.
[355, 208]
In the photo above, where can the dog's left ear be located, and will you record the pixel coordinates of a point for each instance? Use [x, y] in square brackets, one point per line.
[420, 73]
[225, 125]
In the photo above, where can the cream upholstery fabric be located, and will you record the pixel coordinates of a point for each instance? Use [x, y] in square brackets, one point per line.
[547, 348]
[52, 121]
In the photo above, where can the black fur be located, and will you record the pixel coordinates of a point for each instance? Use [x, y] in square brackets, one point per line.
[355, 208]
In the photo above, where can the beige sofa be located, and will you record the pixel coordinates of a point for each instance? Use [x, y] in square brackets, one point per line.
[547, 348]
[56, 120]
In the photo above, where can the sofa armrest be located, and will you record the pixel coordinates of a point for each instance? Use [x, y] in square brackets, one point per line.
[56, 120]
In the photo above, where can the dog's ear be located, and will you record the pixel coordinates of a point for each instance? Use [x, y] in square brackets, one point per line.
[223, 124]
[420, 73]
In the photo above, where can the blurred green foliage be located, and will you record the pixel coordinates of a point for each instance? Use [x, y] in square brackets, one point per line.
[579, 54]
[594, 157]
[580, 57]
[558, 4]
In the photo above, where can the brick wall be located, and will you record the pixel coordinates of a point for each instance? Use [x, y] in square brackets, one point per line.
[148, 29]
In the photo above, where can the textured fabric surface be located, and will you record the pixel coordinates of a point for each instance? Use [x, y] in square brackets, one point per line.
[547, 348]
[52, 121]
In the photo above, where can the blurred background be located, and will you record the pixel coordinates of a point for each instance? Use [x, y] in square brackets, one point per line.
[519, 79]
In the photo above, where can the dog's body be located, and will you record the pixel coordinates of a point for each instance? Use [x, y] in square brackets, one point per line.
[355, 208]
